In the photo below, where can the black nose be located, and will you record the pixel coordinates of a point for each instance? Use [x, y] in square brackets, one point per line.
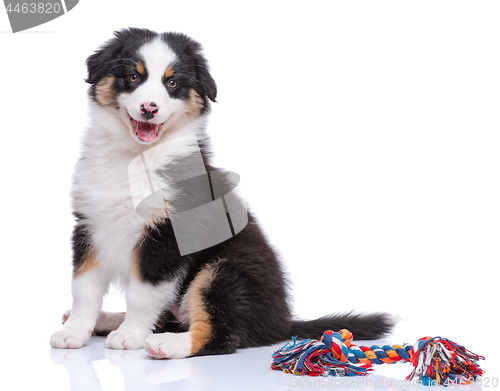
[147, 115]
[149, 110]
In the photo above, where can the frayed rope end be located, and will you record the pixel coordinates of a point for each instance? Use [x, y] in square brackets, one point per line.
[312, 357]
[435, 360]
[439, 361]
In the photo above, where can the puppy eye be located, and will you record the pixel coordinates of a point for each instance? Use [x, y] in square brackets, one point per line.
[172, 83]
[133, 77]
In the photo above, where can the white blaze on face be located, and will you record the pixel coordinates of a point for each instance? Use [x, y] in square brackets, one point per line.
[157, 57]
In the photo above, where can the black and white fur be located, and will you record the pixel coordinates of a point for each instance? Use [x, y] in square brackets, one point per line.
[229, 296]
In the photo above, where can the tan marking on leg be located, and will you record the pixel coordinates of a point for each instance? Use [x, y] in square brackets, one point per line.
[201, 333]
[136, 270]
[169, 72]
[200, 326]
[140, 67]
[104, 93]
[89, 263]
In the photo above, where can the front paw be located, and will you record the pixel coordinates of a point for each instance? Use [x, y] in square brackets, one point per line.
[122, 339]
[69, 338]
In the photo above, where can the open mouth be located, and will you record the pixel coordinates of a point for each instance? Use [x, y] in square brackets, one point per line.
[146, 131]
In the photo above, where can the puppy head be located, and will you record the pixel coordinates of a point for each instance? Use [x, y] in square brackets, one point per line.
[152, 82]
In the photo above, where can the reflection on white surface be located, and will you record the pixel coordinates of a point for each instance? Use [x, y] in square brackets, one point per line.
[95, 368]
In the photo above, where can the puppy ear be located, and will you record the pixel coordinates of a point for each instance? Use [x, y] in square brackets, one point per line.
[98, 64]
[105, 59]
[207, 82]
[191, 52]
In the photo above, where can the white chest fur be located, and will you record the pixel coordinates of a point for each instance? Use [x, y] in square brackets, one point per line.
[102, 194]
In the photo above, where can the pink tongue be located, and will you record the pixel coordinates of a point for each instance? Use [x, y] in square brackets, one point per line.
[146, 131]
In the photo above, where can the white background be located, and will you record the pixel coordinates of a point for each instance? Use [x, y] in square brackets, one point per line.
[366, 135]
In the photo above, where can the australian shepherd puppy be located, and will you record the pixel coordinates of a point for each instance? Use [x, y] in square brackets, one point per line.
[149, 89]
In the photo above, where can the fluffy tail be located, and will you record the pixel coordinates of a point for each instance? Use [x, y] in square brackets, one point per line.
[362, 326]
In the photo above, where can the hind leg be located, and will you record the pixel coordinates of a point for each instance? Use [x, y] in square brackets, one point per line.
[201, 327]
[230, 304]
[106, 322]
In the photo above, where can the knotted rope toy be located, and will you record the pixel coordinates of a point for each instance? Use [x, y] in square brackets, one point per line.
[435, 361]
